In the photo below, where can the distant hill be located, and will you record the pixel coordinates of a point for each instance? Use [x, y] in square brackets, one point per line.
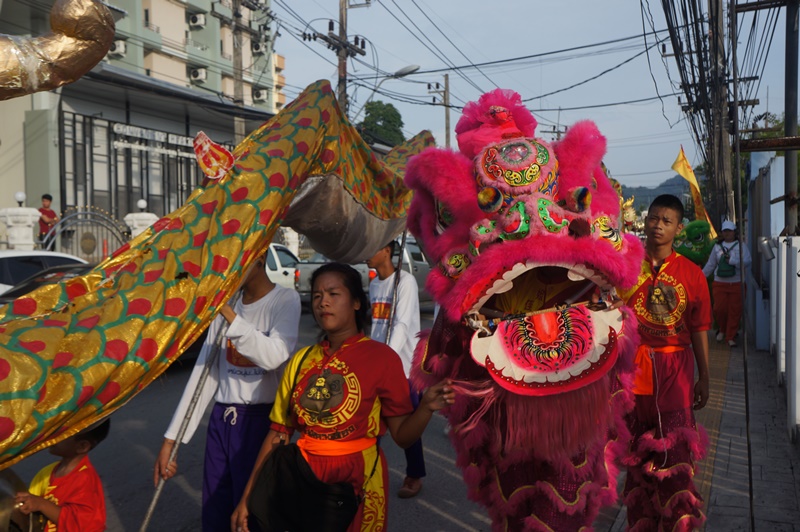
[676, 185]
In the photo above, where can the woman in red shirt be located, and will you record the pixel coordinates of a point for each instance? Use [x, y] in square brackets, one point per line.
[341, 395]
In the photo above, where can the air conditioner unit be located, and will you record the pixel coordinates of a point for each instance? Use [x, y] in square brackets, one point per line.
[118, 49]
[198, 20]
[259, 95]
[199, 75]
[259, 48]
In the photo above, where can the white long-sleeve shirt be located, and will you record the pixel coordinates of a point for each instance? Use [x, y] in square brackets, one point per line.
[406, 317]
[733, 251]
[250, 362]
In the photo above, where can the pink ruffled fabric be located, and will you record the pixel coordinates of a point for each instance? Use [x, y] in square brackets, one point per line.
[659, 493]
[525, 483]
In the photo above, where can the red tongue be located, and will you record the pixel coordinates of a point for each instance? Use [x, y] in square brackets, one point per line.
[547, 328]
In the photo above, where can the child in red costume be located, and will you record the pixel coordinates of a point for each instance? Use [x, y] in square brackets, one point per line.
[672, 304]
[67, 496]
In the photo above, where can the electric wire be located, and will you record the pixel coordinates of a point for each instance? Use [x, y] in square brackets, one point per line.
[440, 57]
[453, 44]
[592, 78]
[649, 64]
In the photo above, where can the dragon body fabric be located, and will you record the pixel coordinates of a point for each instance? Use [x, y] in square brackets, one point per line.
[72, 353]
[526, 230]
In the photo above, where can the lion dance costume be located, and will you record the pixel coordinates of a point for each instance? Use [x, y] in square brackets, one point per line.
[523, 233]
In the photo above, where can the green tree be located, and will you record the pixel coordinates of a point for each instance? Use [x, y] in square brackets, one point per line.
[382, 124]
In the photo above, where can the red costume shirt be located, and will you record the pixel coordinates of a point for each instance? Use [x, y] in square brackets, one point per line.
[44, 226]
[671, 304]
[344, 395]
[79, 494]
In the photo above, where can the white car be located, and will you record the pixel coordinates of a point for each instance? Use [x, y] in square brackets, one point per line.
[16, 266]
[280, 265]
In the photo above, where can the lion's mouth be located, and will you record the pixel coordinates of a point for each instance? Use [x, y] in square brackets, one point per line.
[537, 331]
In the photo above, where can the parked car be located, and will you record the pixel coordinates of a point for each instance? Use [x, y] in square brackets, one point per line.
[415, 262]
[305, 268]
[16, 266]
[280, 265]
[48, 276]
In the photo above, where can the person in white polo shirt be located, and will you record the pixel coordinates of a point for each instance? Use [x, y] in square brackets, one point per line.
[404, 326]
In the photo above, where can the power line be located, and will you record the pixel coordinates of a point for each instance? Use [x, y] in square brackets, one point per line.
[536, 56]
[649, 65]
[453, 44]
[587, 80]
[440, 57]
[596, 106]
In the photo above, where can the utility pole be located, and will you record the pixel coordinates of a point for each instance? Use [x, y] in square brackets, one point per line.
[556, 131]
[341, 89]
[790, 159]
[342, 47]
[720, 139]
[445, 93]
[238, 77]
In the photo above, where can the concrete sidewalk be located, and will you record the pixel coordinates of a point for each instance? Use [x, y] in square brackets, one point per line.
[771, 483]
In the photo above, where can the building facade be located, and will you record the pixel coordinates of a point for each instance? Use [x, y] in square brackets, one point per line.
[124, 131]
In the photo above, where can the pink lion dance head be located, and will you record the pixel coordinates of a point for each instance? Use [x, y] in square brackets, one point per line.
[523, 233]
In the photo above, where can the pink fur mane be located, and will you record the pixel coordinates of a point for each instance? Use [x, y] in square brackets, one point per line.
[478, 127]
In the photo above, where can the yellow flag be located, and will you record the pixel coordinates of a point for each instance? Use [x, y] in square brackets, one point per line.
[684, 169]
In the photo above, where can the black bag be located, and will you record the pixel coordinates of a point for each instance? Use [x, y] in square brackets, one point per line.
[288, 496]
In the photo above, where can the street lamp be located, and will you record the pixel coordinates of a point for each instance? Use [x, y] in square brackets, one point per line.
[403, 72]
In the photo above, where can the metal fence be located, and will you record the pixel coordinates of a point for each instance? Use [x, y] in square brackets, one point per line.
[88, 233]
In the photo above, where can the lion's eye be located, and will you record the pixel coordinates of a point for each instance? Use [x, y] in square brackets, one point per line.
[444, 217]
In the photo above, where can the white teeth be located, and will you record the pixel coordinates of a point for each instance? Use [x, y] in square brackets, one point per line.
[575, 273]
[534, 378]
[503, 284]
[603, 320]
[575, 276]
[500, 286]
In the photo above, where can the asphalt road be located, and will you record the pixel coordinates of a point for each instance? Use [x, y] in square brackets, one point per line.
[125, 463]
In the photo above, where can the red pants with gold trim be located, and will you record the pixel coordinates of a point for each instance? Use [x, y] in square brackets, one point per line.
[659, 493]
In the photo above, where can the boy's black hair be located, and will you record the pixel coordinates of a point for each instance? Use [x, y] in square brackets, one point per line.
[668, 201]
[392, 245]
[95, 433]
[352, 281]
[47, 197]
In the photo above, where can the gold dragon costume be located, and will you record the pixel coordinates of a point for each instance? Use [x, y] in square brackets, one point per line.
[72, 353]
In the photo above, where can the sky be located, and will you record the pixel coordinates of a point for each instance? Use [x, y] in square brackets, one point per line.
[644, 138]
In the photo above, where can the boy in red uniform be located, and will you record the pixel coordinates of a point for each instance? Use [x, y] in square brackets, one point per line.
[47, 219]
[673, 306]
[68, 495]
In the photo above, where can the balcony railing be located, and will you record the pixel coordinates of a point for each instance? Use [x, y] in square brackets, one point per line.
[152, 27]
[194, 44]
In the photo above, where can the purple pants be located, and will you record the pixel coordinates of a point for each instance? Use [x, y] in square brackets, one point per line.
[415, 460]
[235, 435]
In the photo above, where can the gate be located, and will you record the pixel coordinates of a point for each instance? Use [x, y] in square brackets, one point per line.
[88, 233]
